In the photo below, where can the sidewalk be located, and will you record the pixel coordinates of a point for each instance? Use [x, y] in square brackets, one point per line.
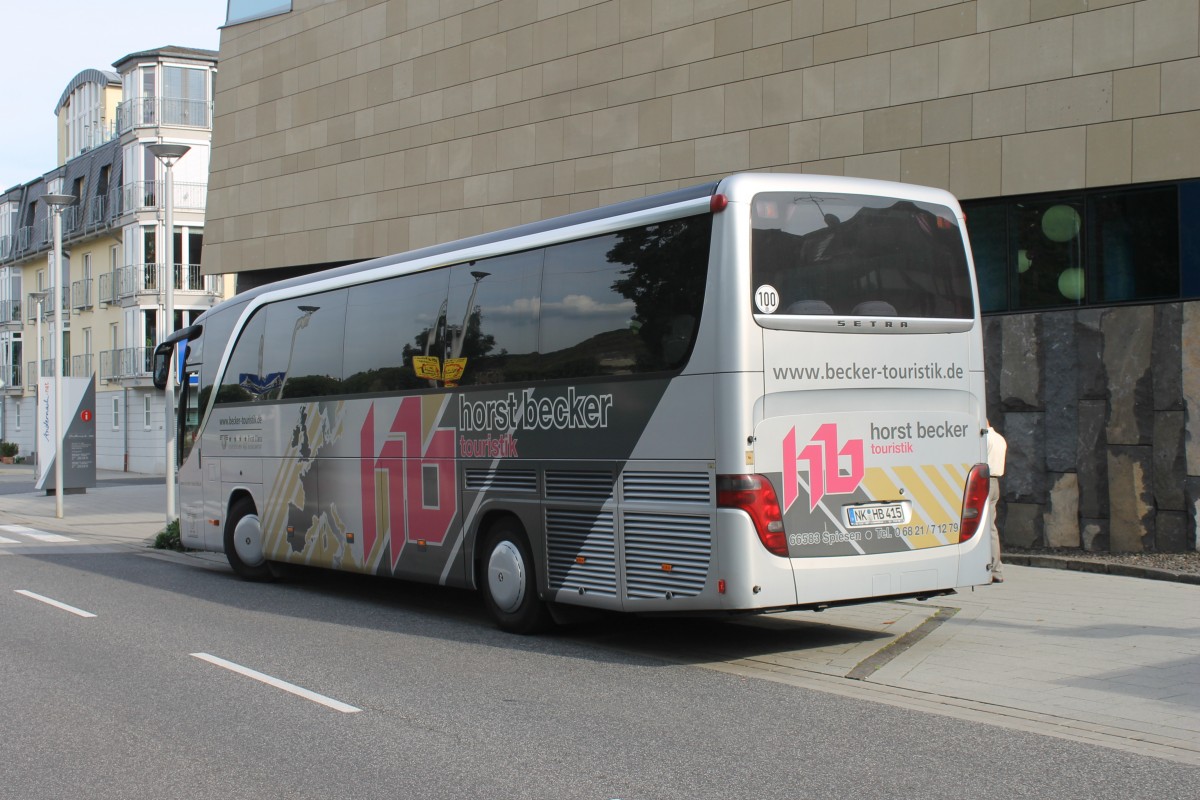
[123, 507]
[1106, 659]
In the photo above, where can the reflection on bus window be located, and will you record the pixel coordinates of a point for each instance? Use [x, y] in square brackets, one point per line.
[858, 255]
[624, 303]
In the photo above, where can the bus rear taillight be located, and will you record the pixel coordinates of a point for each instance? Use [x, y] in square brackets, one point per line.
[755, 495]
[974, 501]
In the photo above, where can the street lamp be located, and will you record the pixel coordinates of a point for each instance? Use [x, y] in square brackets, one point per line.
[57, 202]
[168, 154]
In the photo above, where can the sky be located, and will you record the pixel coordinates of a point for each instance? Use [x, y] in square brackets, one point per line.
[83, 34]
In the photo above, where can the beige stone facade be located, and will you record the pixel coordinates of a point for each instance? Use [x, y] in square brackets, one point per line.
[350, 129]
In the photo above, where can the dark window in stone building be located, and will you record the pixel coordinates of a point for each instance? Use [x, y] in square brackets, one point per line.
[1099, 247]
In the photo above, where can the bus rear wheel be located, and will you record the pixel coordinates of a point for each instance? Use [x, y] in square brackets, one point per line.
[244, 542]
[509, 581]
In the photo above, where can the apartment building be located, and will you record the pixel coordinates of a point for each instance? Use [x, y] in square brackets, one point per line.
[113, 274]
[356, 129]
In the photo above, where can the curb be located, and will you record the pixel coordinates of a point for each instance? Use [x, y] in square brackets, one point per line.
[1101, 567]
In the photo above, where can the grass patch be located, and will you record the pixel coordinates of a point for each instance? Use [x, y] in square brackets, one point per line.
[168, 538]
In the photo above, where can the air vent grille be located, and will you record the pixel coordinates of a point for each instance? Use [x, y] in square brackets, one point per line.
[579, 485]
[581, 551]
[666, 555]
[508, 480]
[667, 487]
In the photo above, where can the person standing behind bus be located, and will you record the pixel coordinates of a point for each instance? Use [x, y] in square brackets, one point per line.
[997, 450]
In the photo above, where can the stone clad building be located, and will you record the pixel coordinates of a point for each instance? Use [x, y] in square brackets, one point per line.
[352, 129]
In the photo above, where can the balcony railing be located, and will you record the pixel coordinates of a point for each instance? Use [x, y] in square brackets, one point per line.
[150, 112]
[145, 278]
[11, 375]
[148, 195]
[81, 294]
[10, 311]
[72, 221]
[47, 303]
[31, 369]
[96, 209]
[108, 287]
[81, 366]
[127, 362]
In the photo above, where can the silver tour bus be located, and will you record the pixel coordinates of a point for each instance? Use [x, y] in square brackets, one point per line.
[755, 395]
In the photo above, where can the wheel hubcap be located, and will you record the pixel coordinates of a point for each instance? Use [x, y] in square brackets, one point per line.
[247, 540]
[506, 577]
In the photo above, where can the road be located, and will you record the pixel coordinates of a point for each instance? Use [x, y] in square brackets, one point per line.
[143, 700]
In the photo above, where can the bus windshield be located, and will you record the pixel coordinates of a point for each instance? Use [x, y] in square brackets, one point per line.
[857, 255]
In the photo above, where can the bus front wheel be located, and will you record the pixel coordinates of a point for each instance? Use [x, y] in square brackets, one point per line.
[244, 542]
[509, 582]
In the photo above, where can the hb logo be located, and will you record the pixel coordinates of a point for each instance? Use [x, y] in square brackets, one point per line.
[412, 480]
[824, 460]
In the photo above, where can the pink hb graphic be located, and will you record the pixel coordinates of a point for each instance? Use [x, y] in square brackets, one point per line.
[405, 458]
[824, 466]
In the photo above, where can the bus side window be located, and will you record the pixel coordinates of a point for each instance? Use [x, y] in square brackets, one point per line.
[492, 320]
[390, 323]
[304, 346]
[678, 339]
[626, 302]
[243, 380]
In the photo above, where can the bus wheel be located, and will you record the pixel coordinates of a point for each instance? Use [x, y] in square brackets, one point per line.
[244, 542]
[509, 582]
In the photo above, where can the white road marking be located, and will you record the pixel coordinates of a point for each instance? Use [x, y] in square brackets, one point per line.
[8, 541]
[328, 702]
[43, 599]
[32, 533]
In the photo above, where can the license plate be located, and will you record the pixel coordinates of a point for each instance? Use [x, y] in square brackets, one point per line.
[878, 514]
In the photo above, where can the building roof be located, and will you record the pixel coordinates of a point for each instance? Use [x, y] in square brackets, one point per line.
[100, 76]
[169, 51]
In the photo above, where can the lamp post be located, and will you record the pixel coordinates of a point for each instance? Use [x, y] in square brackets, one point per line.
[168, 154]
[57, 202]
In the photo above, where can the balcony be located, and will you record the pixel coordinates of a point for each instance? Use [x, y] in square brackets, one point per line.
[47, 365]
[97, 209]
[108, 288]
[72, 221]
[148, 195]
[10, 312]
[153, 112]
[43, 300]
[77, 220]
[11, 375]
[81, 294]
[81, 366]
[141, 279]
[125, 363]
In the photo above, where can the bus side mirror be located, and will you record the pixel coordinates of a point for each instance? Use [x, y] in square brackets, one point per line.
[160, 365]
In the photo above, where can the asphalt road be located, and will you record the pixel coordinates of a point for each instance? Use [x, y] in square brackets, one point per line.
[141, 701]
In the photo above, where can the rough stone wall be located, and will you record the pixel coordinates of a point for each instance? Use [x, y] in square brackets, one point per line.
[1095, 405]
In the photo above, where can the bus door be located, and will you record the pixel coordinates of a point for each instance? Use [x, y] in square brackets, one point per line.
[190, 498]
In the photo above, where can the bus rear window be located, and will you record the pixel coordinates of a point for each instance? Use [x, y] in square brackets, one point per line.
[857, 255]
